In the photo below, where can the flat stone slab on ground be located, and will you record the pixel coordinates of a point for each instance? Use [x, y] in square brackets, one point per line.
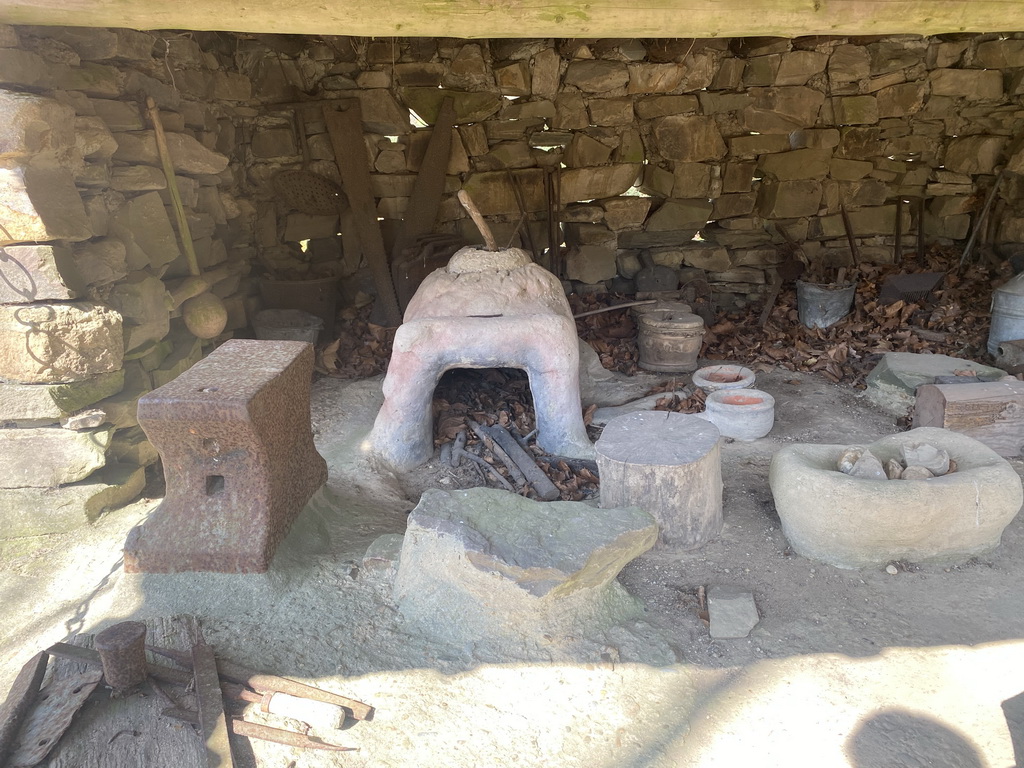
[732, 611]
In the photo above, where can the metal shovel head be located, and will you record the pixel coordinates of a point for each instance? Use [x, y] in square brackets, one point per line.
[912, 288]
[308, 192]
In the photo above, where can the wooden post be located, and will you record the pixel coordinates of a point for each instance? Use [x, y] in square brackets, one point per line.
[991, 412]
[669, 465]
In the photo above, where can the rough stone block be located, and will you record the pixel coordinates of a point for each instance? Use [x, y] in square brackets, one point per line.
[797, 164]
[758, 144]
[654, 78]
[596, 183]
[93, 138]
[855, 110]
[814, 138]
[731, 611]
[45, 457]
[657, 181]
[788, 199]
[118, 115]
[625, 212]
[188, 156]
[137, 178]
[738, 177]
[691, 180]
[781, 110]
[615, 111]
[40, 203]
[591, 264]
[877, 220]
[851, 522]
[470, 107]
[849, 170]
[974, 154]
[675, 214]
[237, 448]
[900, 100]
[143, 225]
[712, 258]
[730, 206]
[145, 309]
[42, 511]
[849, 63]
[34, 124]
[56, 342]
[513, 79]
[49, 403]
[596, 76]
[546, 66]
[482, 563]
[131, 446]
[652, 107]
[230, 86]
[570, 113]
[761, 70]
[586, 151]
[38, 273]
[1000, 54]
[729, 75]
[971, 84]
[24, 68]
[689, 138]
[101, 261]
[797, 67]
[98, 80]
[274, 142]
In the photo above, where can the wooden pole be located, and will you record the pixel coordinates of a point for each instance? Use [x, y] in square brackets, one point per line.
[172, 186]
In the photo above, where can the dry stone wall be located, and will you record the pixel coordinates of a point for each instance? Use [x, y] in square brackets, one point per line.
[707, 156]
[90, 259]
[698, 154]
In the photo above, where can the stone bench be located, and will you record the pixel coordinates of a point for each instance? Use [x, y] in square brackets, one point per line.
[234, 435]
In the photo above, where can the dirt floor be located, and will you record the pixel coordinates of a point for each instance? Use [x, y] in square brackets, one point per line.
[846, 667]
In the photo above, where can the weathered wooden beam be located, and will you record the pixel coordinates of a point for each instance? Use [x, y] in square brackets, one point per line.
[535, 18]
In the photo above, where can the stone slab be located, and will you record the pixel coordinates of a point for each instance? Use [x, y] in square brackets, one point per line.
[893, 382]
[732, 611]
[45, 343]
[41, 203]
[53, 402]
[38, 273]
[42, 511]
[487, 563]
[45, 457]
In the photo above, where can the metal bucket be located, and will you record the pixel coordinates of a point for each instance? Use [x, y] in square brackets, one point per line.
[821, 306]
[1007, 314]
[669, 340]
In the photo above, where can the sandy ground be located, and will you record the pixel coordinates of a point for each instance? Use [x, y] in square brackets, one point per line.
[846, 668]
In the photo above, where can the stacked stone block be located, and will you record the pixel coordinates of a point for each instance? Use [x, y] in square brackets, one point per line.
[702, 154]
[90, 258]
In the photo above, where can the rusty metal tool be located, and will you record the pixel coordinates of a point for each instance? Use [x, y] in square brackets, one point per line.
[273, 684]
[122, 650]
[15, 708]
[259, 731]
[212, 722]
[53, 712]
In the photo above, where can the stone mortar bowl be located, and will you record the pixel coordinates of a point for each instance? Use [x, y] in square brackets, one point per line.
[852, 522]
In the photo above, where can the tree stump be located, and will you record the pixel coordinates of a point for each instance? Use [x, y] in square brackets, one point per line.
[669, 465]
